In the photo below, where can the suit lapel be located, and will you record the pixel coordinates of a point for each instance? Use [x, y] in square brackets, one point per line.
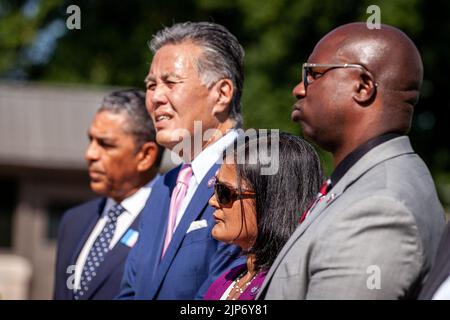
[196, 206]
[155, 227]
[391, 149]
[86, 230]
[381, 153]
[316, 211]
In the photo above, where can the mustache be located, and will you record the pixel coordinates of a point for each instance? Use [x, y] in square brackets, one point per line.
[94, 170]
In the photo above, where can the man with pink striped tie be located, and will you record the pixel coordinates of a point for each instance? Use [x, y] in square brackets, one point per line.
[194, 87]
[178, 194]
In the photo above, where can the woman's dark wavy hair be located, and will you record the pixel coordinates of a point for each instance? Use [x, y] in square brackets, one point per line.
[281, 197]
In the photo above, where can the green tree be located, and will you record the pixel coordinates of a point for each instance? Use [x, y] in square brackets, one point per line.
[111, 49]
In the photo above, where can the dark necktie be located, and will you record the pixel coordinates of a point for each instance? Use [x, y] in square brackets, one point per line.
[326, 186]
[98, 251]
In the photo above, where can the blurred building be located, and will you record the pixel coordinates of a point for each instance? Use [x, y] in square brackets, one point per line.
[43, 136]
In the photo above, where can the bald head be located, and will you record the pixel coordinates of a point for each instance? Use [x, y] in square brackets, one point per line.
[387, 52]
[390, 57]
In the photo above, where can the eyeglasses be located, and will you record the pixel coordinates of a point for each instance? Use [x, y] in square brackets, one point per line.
[313, 71]
[226, 194]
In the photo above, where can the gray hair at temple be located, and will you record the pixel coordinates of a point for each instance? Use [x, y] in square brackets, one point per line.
[132, 103]
[223, 56]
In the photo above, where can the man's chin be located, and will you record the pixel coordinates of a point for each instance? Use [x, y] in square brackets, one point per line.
[170, 138]
[99, 188]
[306, 130]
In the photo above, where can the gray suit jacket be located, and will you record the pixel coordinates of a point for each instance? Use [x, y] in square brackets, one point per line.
[373, 236]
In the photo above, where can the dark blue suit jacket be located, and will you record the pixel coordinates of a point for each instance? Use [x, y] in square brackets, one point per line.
[192, 261]
[74, 230]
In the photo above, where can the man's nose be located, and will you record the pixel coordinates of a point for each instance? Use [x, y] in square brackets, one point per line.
[92, 153]
[299, 91]
[159, 95]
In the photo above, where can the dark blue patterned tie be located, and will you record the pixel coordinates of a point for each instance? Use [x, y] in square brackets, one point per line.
[98, 251]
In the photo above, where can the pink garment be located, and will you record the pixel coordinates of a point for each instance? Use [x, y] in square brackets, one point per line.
[218, 287]
[178, 194]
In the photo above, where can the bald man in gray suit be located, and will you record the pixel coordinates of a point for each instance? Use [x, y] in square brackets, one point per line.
[373, 231]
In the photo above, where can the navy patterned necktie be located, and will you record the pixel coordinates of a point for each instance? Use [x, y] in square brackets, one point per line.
[98, 251]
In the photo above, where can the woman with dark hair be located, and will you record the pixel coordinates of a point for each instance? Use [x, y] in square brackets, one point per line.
[259, 212]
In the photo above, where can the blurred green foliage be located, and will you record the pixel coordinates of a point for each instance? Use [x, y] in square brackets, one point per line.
[111, 49]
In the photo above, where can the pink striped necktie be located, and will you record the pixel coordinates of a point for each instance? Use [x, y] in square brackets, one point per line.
[178, 194]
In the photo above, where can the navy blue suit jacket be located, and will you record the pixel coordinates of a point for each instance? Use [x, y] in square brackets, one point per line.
[74, 230]
[193, 260]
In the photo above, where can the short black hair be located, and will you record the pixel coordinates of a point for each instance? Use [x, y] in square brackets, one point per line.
[281, 197]
[139, 124]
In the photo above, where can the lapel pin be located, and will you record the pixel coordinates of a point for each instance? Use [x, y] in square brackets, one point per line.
[254, 291]
[211, 182]
[130, 238]
[331, 197]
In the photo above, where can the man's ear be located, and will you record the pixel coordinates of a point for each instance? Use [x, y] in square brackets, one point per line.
[365, 90]
[147, 156]
[224, 90]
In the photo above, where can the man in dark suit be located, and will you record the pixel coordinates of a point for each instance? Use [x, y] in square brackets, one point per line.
[194, 88]
[374, 229]
[437, 286]
[96, 237]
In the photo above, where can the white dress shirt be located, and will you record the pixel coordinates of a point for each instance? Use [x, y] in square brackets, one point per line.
[133, 205]
[443, 293]
[202, 164]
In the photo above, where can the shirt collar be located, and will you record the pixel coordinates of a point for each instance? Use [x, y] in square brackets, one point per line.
[211, 155]
[134, 204]
[357, 154]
